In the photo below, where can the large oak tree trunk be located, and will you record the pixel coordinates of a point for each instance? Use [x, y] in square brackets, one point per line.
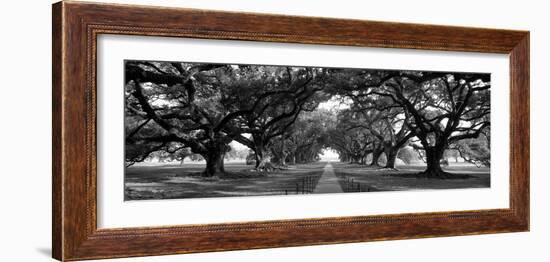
[433, 158]
[263, 160]
[214, 161]
[216, 149]
[391, 156]
[375, 157]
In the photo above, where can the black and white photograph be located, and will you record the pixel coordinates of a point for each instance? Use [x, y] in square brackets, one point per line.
[198, 130]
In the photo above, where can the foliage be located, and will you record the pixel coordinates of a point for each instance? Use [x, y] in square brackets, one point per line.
[408, 155]
[475, 150]
[176, 110]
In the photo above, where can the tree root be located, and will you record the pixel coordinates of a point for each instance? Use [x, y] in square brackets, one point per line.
[387, 169]
[269, 167]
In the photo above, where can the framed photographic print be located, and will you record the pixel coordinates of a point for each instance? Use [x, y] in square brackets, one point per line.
[181, 130]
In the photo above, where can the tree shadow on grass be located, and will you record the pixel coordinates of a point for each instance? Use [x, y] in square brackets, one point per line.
[423, 175]
[234, 182]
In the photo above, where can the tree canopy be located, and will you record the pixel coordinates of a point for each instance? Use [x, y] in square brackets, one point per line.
[175, 110]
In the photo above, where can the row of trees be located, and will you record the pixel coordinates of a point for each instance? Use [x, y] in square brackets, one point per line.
[182, 108]
[361, 133]
[173, 107]
[431, 111]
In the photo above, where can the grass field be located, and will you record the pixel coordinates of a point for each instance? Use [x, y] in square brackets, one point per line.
[170, 181]
[175, 181]
[352, 177]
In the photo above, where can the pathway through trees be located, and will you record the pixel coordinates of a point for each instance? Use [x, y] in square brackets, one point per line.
[328, 183]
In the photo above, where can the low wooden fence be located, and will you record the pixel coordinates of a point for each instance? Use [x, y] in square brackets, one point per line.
[351, 185]
[305, 185]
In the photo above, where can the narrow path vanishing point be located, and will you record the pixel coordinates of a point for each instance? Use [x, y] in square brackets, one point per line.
[328, 183]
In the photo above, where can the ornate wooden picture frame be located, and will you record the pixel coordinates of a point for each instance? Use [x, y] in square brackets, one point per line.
[76, 26]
